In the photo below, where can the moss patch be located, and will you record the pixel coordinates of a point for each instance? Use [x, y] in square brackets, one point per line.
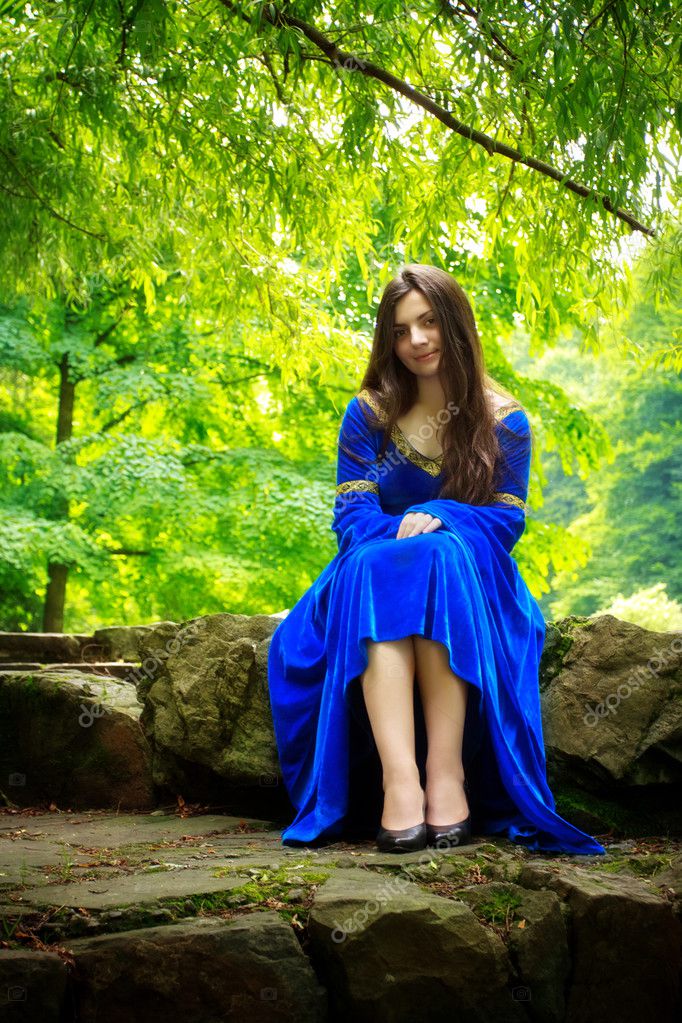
[288, 890]
[499, 907]
[647, 866]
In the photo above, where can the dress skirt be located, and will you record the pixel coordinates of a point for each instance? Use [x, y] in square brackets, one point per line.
[430, 585]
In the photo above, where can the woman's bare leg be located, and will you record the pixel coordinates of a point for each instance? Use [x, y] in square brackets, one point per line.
[444, 699]
[388, 689]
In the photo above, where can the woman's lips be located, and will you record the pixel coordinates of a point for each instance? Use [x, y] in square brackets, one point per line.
[423, 358]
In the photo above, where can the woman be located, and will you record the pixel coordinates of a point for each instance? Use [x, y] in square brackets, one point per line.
[432, 478]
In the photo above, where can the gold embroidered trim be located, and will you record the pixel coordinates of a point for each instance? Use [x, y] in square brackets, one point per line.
[431, 465]
[505, 410]
[434, 466]
[370, 400]
[368, 485]
[509, 499]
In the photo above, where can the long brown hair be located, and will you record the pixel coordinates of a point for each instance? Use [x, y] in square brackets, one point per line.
[471, 465]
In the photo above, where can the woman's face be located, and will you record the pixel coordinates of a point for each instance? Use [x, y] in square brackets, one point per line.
[416, 334]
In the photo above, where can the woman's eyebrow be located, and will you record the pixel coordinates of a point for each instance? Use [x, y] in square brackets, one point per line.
[421, 315]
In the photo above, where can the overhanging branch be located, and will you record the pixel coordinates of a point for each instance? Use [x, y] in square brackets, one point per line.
[348, 61]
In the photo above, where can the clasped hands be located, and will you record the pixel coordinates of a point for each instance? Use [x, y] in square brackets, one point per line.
[414, 523]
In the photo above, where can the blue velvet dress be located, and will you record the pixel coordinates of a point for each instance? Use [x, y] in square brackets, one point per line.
[458, 585]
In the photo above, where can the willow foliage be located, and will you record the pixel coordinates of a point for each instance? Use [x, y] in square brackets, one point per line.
[199, 204]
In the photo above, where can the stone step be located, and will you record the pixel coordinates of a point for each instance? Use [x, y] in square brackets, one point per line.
[50, 646]
[117, 669]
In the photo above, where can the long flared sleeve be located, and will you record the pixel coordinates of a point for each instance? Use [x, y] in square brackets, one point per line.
[358, 516]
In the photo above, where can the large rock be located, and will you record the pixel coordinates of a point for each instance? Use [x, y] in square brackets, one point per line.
[33, 986]
[206, 702]
[205, 970]
[625, 940]
[72, 739]
[207, 716]
[536, 940]
[612, 704]
[388, 950]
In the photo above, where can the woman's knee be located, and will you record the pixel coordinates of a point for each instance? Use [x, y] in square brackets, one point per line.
[392, 655]
[431, 653]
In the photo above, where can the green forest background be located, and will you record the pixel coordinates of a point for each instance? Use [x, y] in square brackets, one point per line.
[200, 204]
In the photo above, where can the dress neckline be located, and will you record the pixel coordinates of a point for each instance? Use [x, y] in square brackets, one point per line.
[431, 465]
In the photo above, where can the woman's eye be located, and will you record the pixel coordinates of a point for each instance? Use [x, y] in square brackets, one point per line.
[400, 331]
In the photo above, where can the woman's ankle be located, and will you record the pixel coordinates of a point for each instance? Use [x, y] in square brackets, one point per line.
[404, 802]
[445, 771]
[446, 797]
[406, 777]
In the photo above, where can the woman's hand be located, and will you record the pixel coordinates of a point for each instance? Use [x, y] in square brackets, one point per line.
[414, 523]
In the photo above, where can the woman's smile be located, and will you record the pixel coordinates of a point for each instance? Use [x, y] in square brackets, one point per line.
[429, 355]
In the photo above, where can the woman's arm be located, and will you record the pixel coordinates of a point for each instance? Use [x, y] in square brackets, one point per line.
[358, 516]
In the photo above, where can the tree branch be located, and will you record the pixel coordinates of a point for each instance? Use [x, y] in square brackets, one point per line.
[487, 29]
[128, 554]
[348, 61]
[123, 415]
[43, 202]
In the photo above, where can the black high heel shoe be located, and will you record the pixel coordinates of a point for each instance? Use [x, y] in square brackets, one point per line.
[451, 835]
[404, 840]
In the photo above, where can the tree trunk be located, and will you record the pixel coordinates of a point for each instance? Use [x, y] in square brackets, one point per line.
[55, 594]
